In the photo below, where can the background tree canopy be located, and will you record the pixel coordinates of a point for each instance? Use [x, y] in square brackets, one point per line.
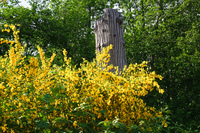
[166, 33]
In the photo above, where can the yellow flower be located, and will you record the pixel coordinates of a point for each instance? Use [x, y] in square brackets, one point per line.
[20, 104]
[12, 89]
[75, 124]
[56, 102]
[12, 27]
[18, 122]
[2, 86]
[161, 91]
[8, 30]
[4, 128]
[164, 123]
[12, 131]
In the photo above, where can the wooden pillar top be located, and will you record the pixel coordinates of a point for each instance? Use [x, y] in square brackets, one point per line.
[109, 30]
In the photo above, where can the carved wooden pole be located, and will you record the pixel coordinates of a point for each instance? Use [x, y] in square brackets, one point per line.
[109, 30]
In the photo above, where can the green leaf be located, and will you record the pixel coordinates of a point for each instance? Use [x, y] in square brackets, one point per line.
[44, 118]
[47, 131]
[41, 124]
[105, 123]
[103, 111]
[48, 98]
[40, 115]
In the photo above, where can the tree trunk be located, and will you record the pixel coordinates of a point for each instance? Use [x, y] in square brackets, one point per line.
[109, 30]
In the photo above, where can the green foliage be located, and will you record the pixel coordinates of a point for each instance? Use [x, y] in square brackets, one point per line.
[166, 33]
[53, 26]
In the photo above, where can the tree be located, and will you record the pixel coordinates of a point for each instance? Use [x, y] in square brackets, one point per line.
[166, 33]
[53, 26]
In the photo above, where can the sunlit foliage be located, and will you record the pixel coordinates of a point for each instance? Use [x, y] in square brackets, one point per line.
[40, 96]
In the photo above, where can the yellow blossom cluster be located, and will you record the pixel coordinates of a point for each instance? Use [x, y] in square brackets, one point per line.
[9, 28]
[33, 96]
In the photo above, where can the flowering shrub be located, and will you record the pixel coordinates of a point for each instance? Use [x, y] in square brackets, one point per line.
[49, 98]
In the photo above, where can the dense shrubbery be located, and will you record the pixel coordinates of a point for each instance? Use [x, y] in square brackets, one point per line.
[47, 98]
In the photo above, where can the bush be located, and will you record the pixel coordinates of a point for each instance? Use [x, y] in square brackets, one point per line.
[48, 98]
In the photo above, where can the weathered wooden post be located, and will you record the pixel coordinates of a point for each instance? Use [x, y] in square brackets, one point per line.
[109, 30]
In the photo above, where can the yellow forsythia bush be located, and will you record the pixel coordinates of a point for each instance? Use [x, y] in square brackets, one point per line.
[49, 98]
